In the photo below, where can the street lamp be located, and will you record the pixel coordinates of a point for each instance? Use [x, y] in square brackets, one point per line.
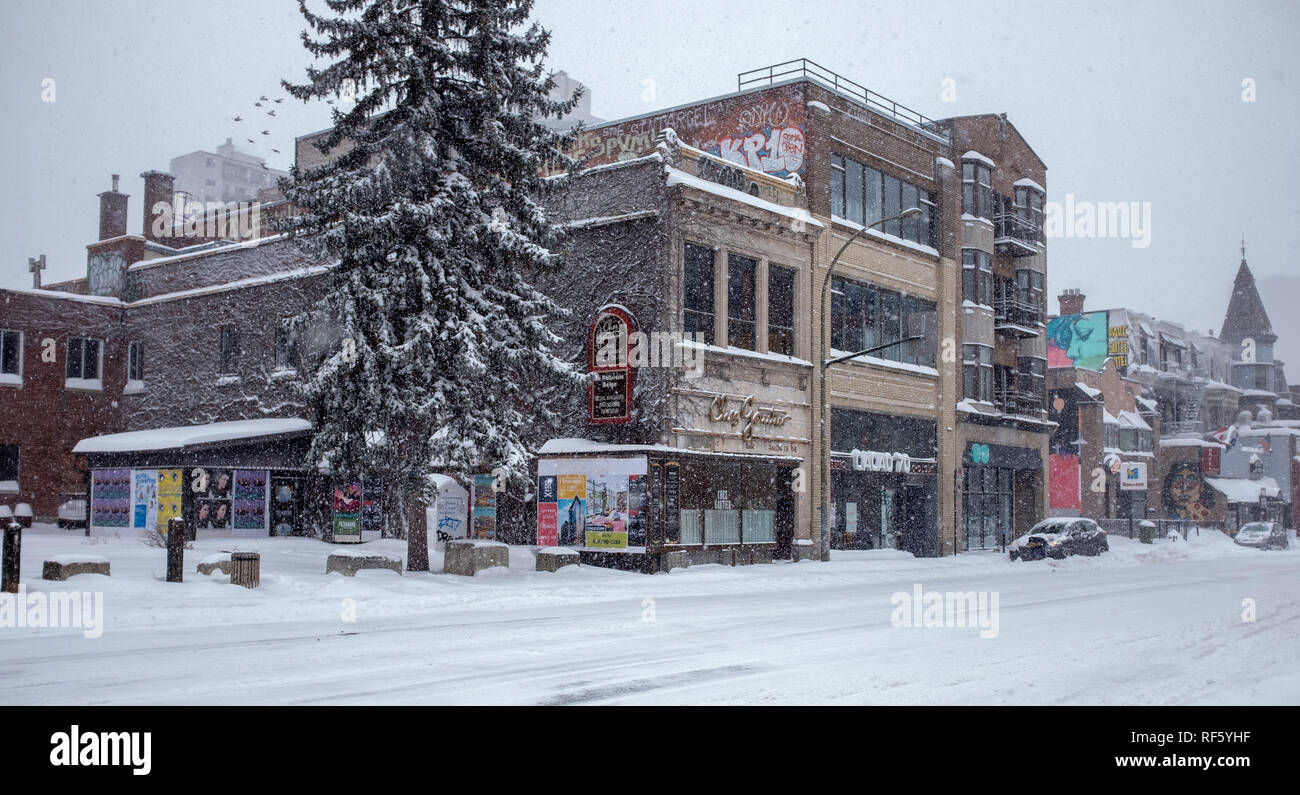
[823, 364]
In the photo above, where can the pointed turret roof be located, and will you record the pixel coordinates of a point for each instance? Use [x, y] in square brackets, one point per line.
[1246, 315]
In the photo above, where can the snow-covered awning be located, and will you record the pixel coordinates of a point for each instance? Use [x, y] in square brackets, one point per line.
[191, 435]
[1087, 390]
[973, 155]
[1131, 419]
[1172, 340]
[1243, 489]
[1029, 183]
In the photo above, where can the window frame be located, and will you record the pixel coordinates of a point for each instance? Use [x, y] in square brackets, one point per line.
[740, 299]
[229, 350]
[135, 364]
[80, 381]
[693, 319]
[288, 358]
[14, 378]
[785, 344]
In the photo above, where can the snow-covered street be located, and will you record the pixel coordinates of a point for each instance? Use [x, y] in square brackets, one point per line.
[1156, 624]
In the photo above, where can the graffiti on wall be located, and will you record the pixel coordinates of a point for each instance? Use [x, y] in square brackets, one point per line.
[1077, 341]
[765, 131]
[1186, 494]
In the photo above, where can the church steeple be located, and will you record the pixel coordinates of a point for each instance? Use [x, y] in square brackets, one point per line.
[1246, 316]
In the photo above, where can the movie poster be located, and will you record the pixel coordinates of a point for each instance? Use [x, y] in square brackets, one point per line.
[170, 494]
[212, 489]
[347, 513]
[144, 499]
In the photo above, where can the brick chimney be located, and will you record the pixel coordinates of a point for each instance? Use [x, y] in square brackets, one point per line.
[1071, 301]
[112, 212]
[158, 189]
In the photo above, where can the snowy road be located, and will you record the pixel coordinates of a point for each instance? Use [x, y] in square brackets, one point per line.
[1142, 625]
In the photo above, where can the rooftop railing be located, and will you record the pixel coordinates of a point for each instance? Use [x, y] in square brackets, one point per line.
[804, 68]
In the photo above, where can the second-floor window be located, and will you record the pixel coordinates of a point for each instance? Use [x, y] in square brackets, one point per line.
[864, 316]
[697, 297]
[741, 302]
[83, 361]
[1029, 207]
[977, 276]
[229, 350]
[286, 346]
[863, 195]
[1032, 380]
[11, 356]
[135, 361]
[1029, 289]
[780, 310]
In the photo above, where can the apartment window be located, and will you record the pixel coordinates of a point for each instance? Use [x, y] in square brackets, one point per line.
[286, 346]
[864, 316]
[1029, 289]
[1032, 372]
[1029, 206]
[780, 310]
[977, 276]
[229, 349]
[1111, 435]
[11, 357]
[9, 467]
[135, 361]
[920, 320]
[977, 189]
[977, 372]
[741, 274]
[83, 362]
[863, 195]
[697, 312]
[211, 163]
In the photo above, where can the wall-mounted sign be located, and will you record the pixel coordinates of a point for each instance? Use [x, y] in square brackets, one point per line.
[1133, 476]
[1117, 345]
[744, 414]
[1209, 460]
[609, 395]
[871, 461]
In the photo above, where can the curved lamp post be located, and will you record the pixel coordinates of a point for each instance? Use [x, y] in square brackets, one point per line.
[823, 364]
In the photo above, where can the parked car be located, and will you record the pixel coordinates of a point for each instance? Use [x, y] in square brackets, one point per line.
[1059, 537]
[73, 510]
[1262, 535]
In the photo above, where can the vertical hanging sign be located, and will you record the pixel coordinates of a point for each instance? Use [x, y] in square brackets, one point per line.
[609, 395]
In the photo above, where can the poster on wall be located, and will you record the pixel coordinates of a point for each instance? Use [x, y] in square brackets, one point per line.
[250, 502]
[372, 508]
[347, 513]
[144, 499]
[110, 498]
[1078, 341]
[170, 495]
[547, 511]
[212, 489]
[599, 502]
[672, 503]
[484, 517]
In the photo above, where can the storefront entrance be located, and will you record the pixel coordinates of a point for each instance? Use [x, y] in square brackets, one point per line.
[1000, 488]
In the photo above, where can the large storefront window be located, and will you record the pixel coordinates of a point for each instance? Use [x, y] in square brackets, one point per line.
[864, 316]
[883, 482]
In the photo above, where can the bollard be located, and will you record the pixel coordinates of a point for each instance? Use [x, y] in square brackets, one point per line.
[13, 547]
[175, 549]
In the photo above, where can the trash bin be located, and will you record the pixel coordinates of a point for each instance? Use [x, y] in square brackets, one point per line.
[23, 513]
[245, 569]
[1146, 531]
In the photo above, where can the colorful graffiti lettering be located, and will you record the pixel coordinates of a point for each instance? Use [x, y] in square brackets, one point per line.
[778, 150]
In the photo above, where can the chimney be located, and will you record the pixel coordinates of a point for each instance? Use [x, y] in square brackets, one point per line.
[158, 189]
[1071, 301]
[112, 212]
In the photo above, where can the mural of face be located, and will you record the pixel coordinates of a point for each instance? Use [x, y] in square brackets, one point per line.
[1185, 495]
[1077, 341]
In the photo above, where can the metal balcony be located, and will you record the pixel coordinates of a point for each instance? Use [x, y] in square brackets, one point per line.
[1013, 400]
[1015, 235]
[1016, 318]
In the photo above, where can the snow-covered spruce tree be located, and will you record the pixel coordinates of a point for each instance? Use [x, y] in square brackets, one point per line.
[428, 208]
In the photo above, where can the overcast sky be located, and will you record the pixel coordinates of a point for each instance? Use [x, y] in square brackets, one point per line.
[1124, 101]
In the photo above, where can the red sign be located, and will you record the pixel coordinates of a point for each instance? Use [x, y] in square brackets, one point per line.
[547, 532]
[609, 395]
[1209, 460]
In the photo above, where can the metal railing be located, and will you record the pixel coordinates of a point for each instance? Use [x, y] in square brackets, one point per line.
[1017, 401]
[1182, 426]
[1013, 226]
[1013, 310]
[802, 67]
[1129, 527]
